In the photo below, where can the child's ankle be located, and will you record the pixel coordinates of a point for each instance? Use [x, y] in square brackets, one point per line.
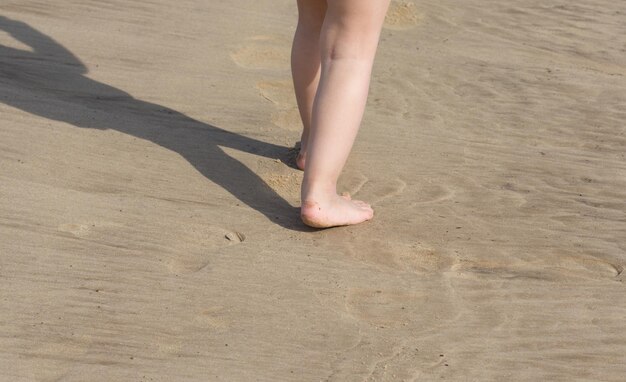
[318, 191]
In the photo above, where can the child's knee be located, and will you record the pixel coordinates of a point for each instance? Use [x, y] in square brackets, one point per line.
[352, 29]
[354, 45]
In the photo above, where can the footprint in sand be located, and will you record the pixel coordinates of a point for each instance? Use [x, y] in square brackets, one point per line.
[415, 257]
[425, 192]
[559, 266]
[280, 93]
[264, 52]
[423, 259]
[354, 182]
[193, 249]
[402, 15]
[384, 308]
[497, 268]
[390, 253]
[181, 249]
[387, 190]
[272, 53]
[579, 264]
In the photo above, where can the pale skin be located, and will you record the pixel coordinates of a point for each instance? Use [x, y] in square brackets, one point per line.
[332, 57]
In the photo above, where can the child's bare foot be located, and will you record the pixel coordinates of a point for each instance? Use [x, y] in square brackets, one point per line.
[296, 156]
[336, 211]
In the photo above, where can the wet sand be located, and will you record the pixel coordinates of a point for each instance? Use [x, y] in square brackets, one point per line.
[148, 217]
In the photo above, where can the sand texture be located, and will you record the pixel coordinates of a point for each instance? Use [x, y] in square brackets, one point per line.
[149, 224]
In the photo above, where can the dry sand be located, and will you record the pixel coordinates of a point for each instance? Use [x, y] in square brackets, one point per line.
[149, 229]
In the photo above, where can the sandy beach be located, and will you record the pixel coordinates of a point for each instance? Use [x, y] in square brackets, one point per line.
[149, 226]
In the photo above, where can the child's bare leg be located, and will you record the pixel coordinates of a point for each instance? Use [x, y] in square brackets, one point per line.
[305, 64]
[349, 39]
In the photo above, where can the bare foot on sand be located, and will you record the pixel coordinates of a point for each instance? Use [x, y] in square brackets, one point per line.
[336, 211]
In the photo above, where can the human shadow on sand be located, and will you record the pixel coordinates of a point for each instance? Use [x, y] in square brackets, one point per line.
[50, 81]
